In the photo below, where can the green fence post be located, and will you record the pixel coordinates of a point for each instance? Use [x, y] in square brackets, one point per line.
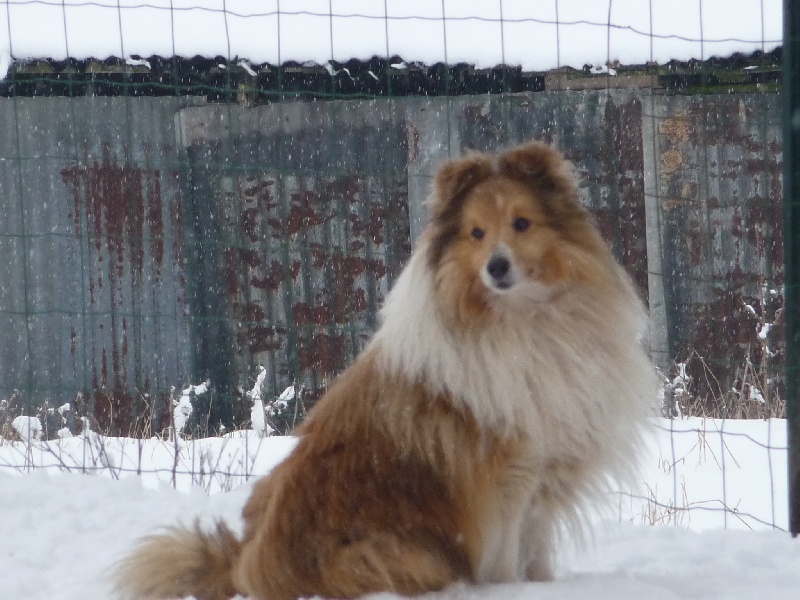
[791, 240]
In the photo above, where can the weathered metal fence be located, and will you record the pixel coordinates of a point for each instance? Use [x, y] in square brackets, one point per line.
[191, 241]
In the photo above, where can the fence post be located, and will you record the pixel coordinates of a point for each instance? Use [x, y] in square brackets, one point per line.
[791, 215]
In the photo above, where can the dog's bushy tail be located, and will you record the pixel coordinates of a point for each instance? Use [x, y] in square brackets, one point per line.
[181, 562]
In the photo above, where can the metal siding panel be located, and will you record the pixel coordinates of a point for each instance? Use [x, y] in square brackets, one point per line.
[101, 274]
[719, 161]
[300, 224]
[163, 243]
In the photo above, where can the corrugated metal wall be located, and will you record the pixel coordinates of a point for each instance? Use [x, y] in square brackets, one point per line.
[299, 224]
[714, 173]
[93, 294]
[149, 242]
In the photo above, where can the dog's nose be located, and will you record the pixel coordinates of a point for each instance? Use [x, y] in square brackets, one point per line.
[498, 267]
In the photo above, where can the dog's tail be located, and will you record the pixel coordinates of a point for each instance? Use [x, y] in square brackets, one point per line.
[181, 562]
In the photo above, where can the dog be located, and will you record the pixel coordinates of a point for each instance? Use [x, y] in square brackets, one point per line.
[505, 388]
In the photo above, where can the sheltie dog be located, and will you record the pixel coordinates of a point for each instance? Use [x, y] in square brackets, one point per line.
[504, 392]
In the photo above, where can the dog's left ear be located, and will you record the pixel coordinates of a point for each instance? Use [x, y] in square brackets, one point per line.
[540, 166]
[551, 178]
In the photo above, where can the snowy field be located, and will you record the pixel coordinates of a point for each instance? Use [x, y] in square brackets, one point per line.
[71, 508]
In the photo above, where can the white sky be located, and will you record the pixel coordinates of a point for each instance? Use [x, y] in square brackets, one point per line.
[537, 35]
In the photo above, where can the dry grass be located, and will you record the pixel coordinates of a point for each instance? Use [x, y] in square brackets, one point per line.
[754, 393]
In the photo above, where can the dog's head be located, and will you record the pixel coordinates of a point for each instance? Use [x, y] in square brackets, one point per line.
[510, 230]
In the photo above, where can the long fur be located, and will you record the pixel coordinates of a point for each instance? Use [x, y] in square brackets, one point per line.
[483, 417]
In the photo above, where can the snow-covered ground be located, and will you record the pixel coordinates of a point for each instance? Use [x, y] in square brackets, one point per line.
[70, 508]
[535, 35]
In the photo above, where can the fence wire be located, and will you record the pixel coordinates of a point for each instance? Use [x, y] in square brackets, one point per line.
[204, 205]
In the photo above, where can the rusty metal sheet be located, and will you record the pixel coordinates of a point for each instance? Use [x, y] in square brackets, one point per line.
[294, 248]
[93, 298]
[150, 242]
[717, 184]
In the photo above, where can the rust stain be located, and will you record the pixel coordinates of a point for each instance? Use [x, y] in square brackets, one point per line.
[250, 257]
[250, 225]
[262, 338]
[274, 277]
[124, 337]
[347, 299]
[722, 121]
[623, 174]
[740, 222]
[104, 370]
[374, 227]
[155, 222]
[304, 212]
[670, 204]
[322, 352]
[231, 270]
[677, 128]
[118, 208]
[115, 411]
[671, 161]
[114, 208]
[737, 223]
[319, 248]
[695, 240]
[765, 231]
[253, 312]
[305, 314]
[412, 140]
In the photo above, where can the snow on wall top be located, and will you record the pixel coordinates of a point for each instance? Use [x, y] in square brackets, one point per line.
[537, 36]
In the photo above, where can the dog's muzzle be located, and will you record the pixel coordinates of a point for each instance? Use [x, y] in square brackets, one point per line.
[499, 272]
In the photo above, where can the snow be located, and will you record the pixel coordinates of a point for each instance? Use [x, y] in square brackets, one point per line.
[28, 428]
[257, 418]
[535, 35]
[182, 408]
[69, 514]
[287, 394]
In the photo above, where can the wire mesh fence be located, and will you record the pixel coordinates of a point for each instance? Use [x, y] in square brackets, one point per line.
[202, 191]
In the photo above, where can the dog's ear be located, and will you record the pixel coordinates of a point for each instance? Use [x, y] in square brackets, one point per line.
[538, 165]
[548, 174]
[455, 178]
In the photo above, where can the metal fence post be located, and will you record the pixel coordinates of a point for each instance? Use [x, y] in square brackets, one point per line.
[791, 213]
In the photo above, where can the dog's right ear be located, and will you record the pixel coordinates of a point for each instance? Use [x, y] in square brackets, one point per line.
[455, 178]
[453, 182]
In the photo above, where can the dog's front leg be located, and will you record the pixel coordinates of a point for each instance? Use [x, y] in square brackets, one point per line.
[536, 548]
[504, 525]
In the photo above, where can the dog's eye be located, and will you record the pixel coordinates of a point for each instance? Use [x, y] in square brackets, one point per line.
[478, 233]
[521, 224]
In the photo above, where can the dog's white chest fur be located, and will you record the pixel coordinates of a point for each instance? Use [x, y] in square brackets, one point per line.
[570, 375]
